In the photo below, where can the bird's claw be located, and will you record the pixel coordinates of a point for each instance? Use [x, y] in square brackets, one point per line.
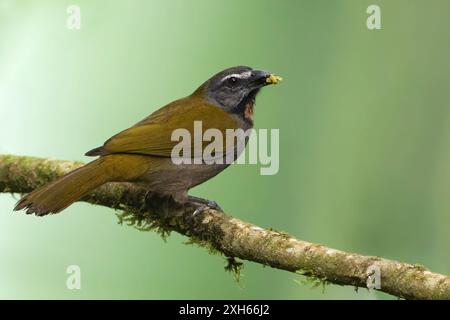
[214, 205]
[200, 210]
[211, 205]
[201, 204]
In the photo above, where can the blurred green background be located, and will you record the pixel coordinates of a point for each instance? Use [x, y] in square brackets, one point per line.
[364, 123]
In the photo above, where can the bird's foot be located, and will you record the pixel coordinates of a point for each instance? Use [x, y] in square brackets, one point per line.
[200, 209]
[213, 205]
[203, 205]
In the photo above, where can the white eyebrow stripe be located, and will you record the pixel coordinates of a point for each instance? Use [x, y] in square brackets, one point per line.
[243, 75]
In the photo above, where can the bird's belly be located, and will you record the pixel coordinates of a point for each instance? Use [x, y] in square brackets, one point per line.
[169, 178]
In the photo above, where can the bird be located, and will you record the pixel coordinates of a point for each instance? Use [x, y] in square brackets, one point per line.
[142, 154]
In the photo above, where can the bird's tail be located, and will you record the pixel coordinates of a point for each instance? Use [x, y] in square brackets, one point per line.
[59, 194]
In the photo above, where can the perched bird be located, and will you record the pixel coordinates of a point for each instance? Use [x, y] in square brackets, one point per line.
[141, 154]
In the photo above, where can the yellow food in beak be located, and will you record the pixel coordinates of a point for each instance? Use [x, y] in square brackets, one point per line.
[273, 79]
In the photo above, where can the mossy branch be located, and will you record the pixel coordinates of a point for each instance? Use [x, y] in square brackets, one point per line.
[233, 237]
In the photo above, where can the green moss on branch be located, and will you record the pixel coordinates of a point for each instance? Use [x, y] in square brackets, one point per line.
[232, 237]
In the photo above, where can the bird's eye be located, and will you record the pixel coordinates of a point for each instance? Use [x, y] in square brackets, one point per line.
[232, 81]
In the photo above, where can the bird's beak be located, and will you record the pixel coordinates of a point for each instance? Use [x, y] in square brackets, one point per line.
[264, 78]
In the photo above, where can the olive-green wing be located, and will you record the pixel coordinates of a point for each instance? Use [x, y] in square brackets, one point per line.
[152, 136]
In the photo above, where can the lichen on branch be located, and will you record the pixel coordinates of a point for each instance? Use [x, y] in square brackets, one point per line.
[233, 237]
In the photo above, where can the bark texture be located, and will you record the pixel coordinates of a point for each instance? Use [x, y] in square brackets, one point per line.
[233, 237]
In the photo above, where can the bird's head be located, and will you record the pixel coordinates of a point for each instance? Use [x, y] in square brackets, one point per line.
[235, 88]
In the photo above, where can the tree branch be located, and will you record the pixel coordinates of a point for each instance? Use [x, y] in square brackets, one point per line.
[233, 237]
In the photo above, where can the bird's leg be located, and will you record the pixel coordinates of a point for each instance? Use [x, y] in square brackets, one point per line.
[203, 204]
[210, 203]
[162, 204]
[167, 205]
